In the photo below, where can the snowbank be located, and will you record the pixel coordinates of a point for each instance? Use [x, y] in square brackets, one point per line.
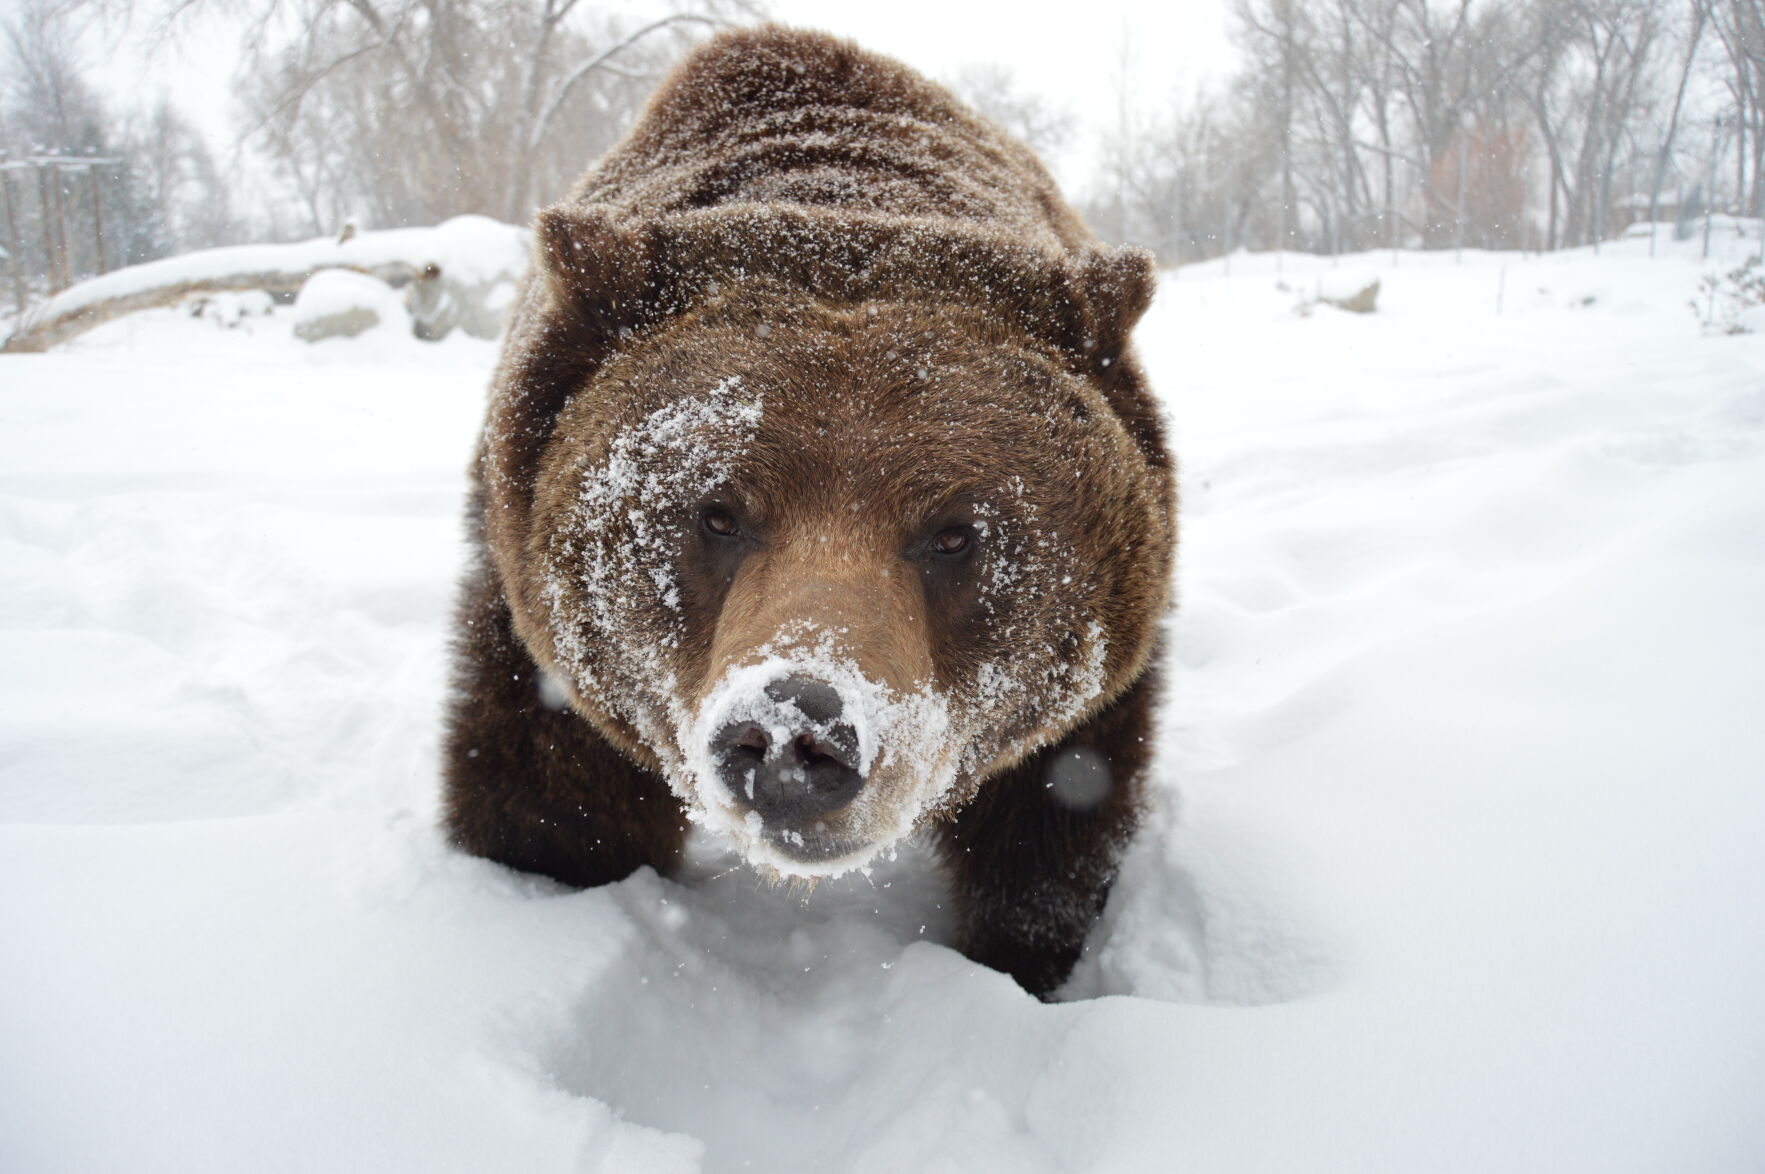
[1455, 865]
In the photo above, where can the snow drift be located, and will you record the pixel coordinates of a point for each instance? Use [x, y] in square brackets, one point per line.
[1455, 865]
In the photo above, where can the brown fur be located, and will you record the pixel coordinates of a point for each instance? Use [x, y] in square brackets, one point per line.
[932, 338]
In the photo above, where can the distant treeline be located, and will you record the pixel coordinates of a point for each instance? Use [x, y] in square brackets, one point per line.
[1536, 124]
[1350, 124]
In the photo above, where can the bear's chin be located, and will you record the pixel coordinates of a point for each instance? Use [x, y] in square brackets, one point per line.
[799, 854]
[784, 862]
[787, 857]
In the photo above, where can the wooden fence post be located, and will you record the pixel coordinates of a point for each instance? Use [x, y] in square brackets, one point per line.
[12, 245]
[94, 175]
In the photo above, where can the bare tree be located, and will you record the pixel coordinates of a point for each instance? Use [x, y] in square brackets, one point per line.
[409, 111]
[1692, 41]
[1740, 27]
[993, 91]
[1274, 35]
[1593, 85]
[181, 184]
[1200, 181]
[67, 219]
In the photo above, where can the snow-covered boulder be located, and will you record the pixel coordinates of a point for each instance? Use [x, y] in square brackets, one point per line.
[340, 303]
[1348, 289]
[479, 262]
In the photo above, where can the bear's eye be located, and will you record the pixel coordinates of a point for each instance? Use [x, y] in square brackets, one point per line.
[722, 523]
[952, 541]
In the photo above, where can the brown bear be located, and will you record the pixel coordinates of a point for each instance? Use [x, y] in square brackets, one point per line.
[821, 501]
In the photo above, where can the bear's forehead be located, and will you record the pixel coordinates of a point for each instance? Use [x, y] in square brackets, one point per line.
[872, 377]
[886, 416]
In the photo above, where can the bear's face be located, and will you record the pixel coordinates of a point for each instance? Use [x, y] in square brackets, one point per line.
[814, 563]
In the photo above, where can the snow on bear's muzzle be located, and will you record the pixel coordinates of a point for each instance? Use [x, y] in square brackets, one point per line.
[793, 760]
[812, 768]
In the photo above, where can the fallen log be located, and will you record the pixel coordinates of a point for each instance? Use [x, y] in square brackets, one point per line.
[48, 325]
[478, 255]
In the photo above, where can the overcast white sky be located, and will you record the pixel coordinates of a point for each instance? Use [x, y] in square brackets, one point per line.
[1073, 52]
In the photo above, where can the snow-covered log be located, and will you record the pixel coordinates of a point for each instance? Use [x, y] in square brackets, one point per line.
[461, 261]
[50, 324]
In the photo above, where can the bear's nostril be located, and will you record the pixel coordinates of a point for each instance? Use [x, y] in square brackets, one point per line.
[750, 739]
[811, 751]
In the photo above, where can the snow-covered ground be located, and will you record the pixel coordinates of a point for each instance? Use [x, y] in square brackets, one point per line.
[1457, 867]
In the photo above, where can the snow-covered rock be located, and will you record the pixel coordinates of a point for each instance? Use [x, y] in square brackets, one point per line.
[482, 259]
[340, 303]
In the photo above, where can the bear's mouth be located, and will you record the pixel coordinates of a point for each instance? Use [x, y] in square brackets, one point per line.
[812, 847]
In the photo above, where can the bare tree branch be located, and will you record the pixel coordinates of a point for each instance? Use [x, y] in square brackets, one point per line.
[562, 93]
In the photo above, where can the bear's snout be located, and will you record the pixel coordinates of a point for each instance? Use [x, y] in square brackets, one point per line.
[796, 764]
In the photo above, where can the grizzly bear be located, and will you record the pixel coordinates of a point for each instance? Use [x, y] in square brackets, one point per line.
[821, 501]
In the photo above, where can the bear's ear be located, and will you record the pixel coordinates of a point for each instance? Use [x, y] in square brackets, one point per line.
[1116, 286]
[593, 282]
[596, 272]
[1113, 287]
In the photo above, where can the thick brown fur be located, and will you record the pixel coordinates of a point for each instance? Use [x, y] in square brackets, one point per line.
[935, 339]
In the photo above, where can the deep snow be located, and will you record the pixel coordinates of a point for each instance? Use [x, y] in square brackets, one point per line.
[1456, 868]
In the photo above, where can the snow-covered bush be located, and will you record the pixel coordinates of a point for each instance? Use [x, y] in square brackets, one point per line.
[1732, 302]
[228, 310]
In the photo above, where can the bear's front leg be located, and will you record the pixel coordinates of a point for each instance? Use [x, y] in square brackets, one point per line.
[1032, 857]
[530, 783]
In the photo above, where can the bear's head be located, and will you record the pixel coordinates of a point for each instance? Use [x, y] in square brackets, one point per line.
[827, 535]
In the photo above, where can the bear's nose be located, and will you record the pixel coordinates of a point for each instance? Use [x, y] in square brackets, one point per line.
[799, 763]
